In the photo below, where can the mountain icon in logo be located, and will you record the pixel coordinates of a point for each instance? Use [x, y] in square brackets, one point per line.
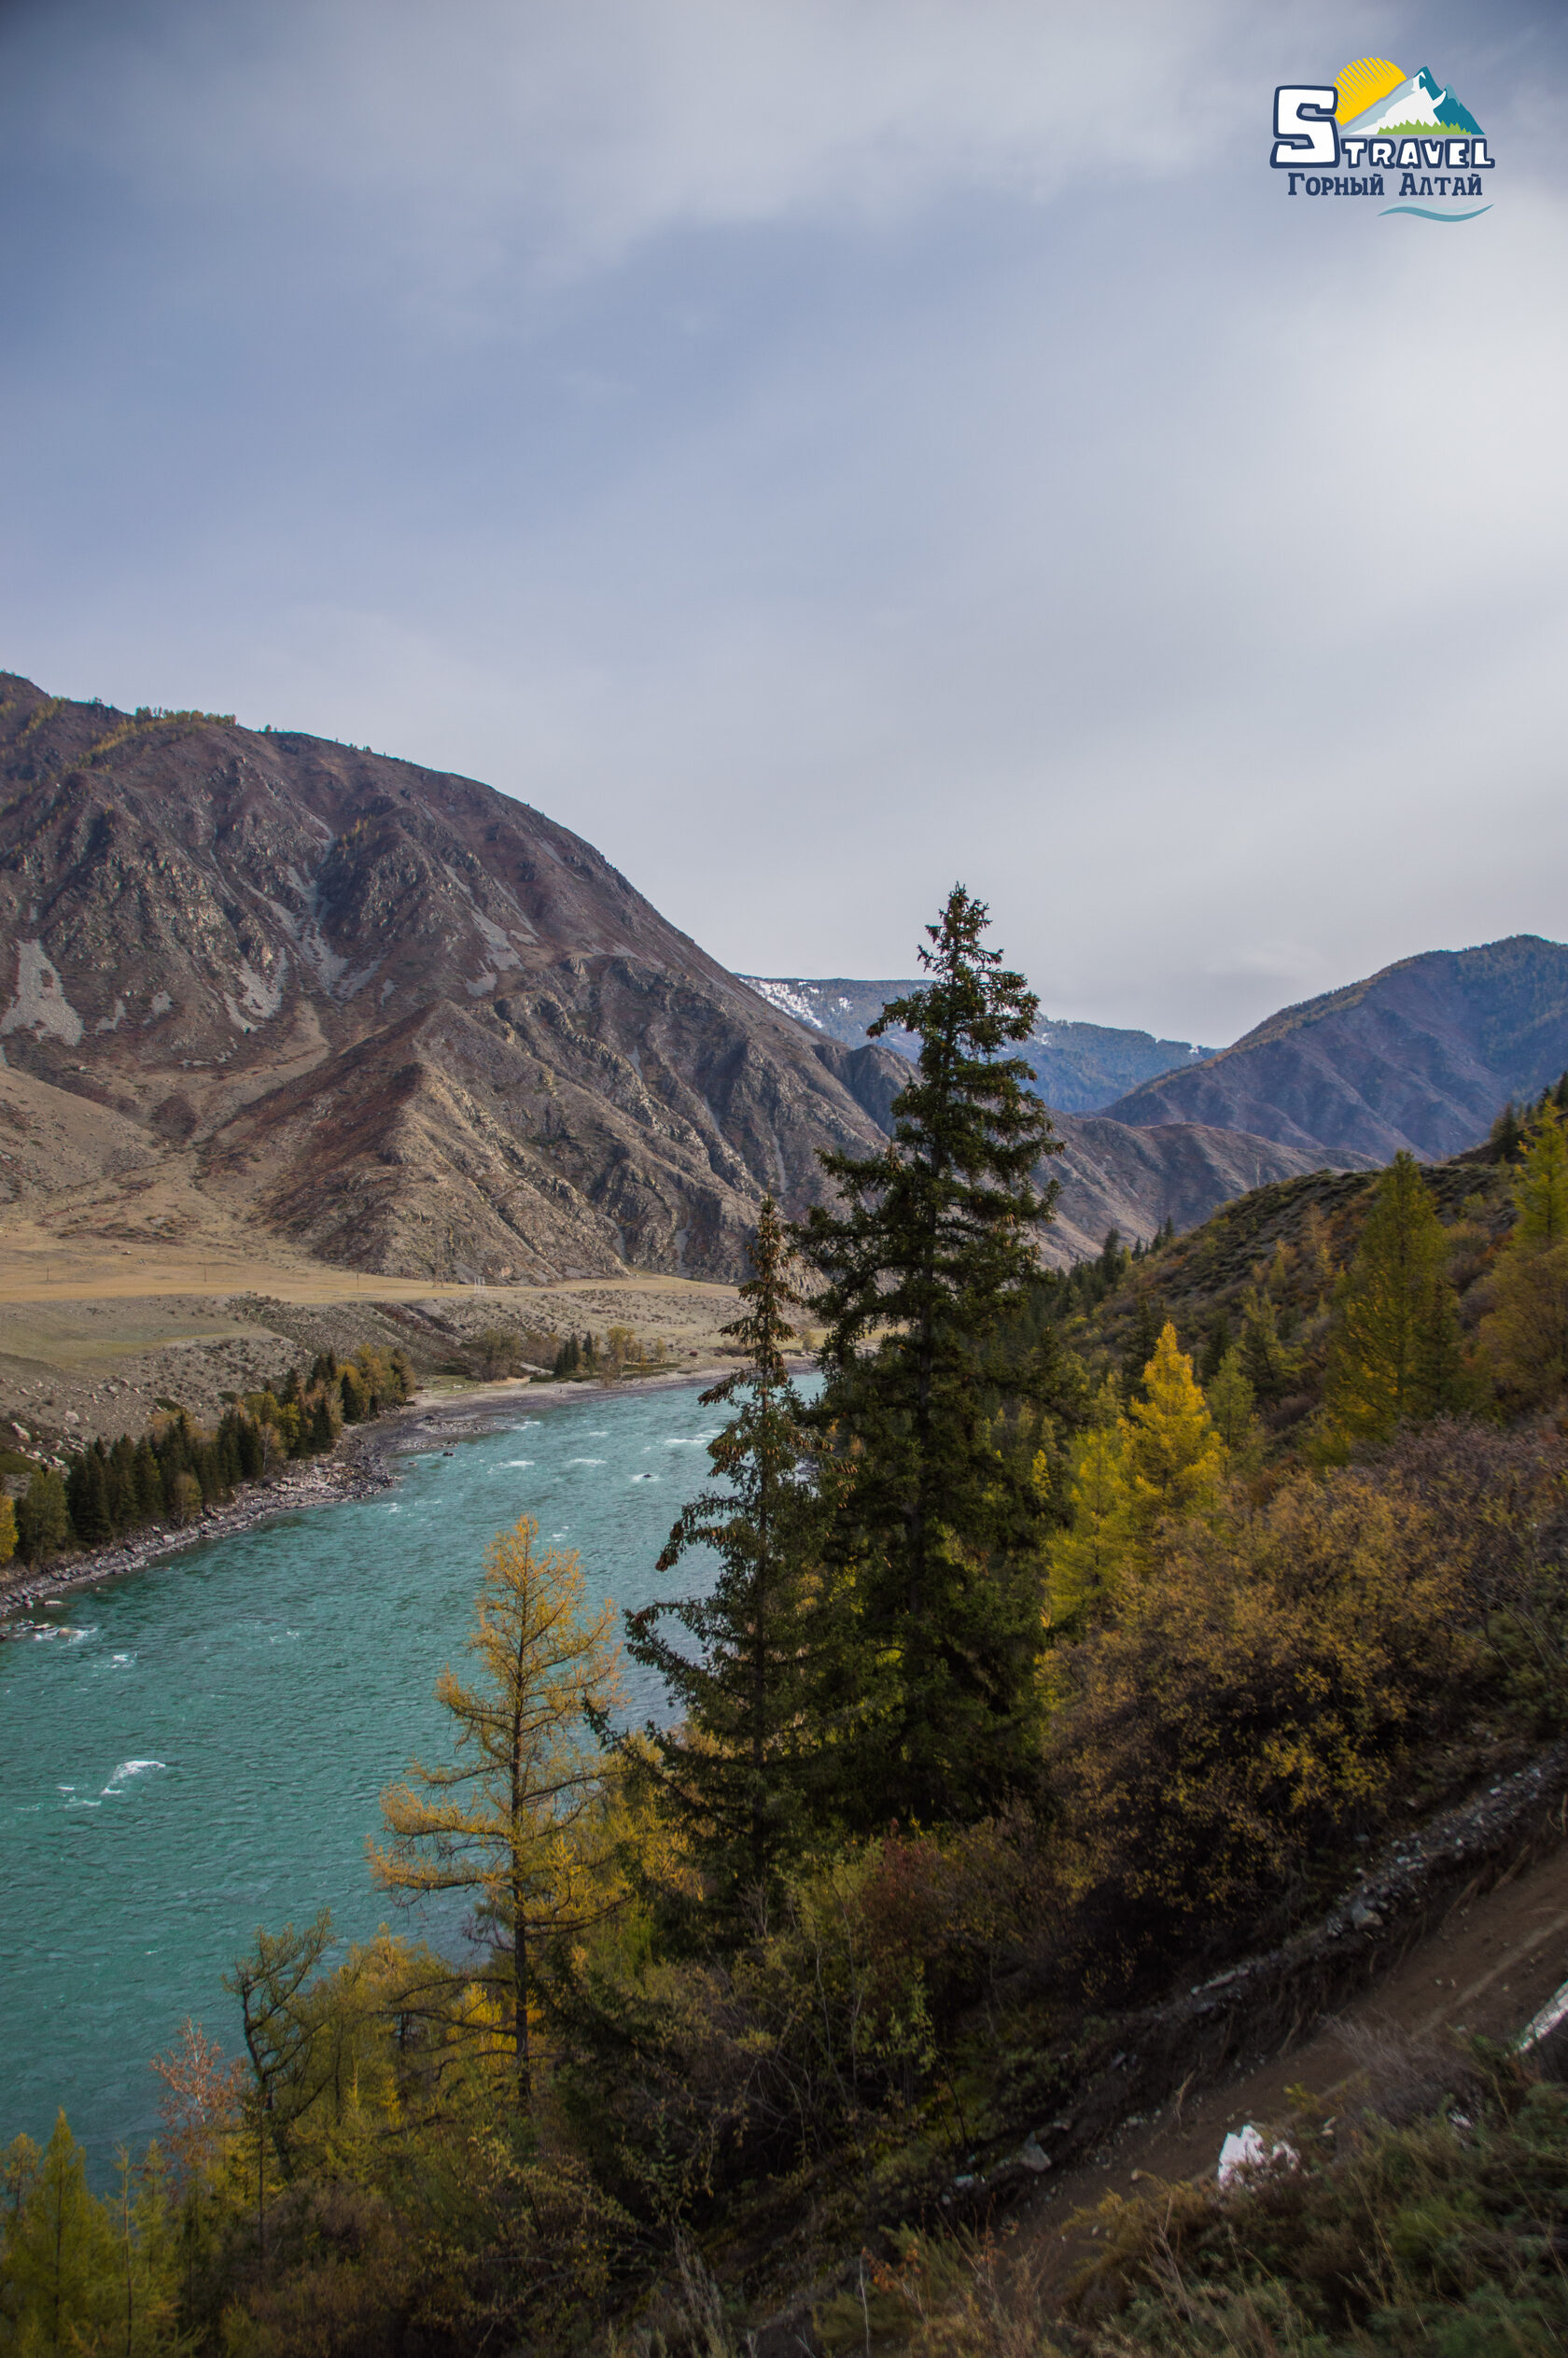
[1375, 98]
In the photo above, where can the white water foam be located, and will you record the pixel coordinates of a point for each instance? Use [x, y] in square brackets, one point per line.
[514, 1465]
[586, 1461]
[127, 1770]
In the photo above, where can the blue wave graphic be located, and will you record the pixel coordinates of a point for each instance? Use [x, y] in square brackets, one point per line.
[1423, 212]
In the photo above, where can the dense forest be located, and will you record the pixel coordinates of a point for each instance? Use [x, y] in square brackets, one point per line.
[175, 1471]
[1077, 1636]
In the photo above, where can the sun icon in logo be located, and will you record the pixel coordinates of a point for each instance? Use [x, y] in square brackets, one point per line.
[1361, 84]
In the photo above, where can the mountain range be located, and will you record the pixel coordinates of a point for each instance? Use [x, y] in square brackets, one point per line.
[1419, 1056]
[1079, 1067]
[406, 1024]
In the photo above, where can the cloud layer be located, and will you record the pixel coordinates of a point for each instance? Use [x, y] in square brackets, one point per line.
[820, 450]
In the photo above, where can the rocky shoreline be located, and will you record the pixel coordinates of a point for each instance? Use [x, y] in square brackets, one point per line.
[362, 1464]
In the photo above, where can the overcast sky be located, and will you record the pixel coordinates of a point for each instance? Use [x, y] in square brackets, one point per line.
[821, 448]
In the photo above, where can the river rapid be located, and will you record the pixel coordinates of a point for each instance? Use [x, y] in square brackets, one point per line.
[198, 1748]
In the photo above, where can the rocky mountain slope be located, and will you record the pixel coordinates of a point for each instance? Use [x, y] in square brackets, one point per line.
[265, 983]
[1419, 1056]
[1080, 1067]
[1115, 1175]
[407, 1022]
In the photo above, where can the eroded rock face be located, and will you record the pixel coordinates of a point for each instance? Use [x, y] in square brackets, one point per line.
[405, 1021]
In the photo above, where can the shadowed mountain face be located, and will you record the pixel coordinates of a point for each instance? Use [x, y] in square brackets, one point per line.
[1079, 1067]
[1420, 1056]
[394, 1016]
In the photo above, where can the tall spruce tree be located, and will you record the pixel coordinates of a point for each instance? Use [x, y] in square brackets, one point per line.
[730, 1772]
[1394, 1354]
[926, 1255]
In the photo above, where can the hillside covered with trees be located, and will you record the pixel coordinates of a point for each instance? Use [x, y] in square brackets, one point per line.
[1072, 1642]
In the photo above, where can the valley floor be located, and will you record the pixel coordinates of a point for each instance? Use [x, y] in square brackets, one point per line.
[94, 1334]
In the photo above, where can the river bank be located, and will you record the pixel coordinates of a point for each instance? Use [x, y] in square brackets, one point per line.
[362, 1462]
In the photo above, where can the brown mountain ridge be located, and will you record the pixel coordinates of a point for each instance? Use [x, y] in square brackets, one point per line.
[1419, 1056]
[414, 1026]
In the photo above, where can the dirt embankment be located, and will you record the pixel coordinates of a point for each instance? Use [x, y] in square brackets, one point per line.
[1459, 1927]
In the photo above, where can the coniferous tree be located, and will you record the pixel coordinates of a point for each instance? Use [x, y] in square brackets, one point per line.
[87, 1494]
[1217, 1342]
[1268, 1362]
[1230, 1401]
[149, 1482]
[1540, 1186]
[1163, 1459]
[1394, 1347]
[1524, 1336]
[929, 1252]
[7, 1528]
[43, 1517]
[1139, 1347]
[1085, 1558]
[124, 1512]
[499, 1821]
[730, 1772]
[1172, 1459]
[59, 2257]
[1506, 1136]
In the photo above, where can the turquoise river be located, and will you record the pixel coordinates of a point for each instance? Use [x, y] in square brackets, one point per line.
[198, 1748]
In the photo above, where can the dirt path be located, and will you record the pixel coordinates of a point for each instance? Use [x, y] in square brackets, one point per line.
[1490, 1967]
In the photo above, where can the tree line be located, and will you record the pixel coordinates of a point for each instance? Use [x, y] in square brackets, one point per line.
[177, 1469]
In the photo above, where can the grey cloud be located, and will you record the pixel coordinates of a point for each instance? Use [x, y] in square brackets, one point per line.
[818, 451]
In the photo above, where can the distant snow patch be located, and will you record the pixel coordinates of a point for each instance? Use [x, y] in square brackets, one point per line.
[112, 1023]
[41, 1003]
[788, 1000]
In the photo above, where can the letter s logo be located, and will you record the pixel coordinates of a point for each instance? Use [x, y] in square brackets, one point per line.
[1306, 134]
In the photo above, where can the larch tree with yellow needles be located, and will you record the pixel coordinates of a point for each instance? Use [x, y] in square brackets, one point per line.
[1525, 1336]
[1163, 1460]
[511, 1819]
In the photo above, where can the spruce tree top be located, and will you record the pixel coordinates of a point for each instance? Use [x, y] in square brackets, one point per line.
[936, 1228]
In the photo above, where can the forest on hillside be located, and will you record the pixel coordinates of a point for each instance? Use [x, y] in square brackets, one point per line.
[1073, 1639]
